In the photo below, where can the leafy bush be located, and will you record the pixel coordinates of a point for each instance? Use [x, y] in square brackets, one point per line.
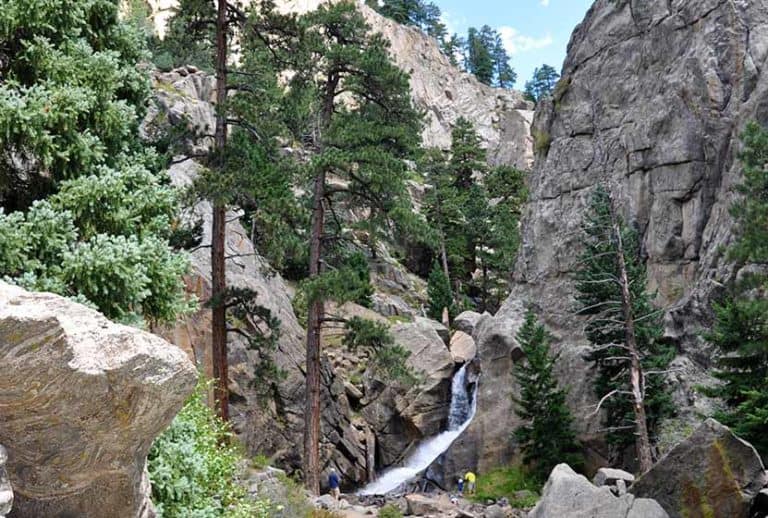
[194, 468]
[506, 482]
[102, 240]
[390, 511]
[92, 218]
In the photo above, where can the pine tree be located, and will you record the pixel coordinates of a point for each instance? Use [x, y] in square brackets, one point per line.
[542, 83]
[741, 321]
[439, 293]
[406, 12]
[440, 202]
[241, 172]
[431, 22]
[624, 328]
[467, 163]
[363, 142]
[505, 75]
[546, 438]
[468, 158]
[479, 58]
[189, 37]
[506, 195]
[454, 48]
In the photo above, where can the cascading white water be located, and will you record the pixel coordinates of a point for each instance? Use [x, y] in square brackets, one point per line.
[460, 415]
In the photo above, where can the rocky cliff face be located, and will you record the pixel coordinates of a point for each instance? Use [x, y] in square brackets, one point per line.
[502, 117]
[652, 101]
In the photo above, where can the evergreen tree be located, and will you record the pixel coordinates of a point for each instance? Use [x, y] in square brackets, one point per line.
[440, 202]
[741, 321]
[479, 57]
[542, 83]
[506, 77]
[439, 293]
[426, 16]
[406, 12]
[431, 22]
[546, 438]
[84, 211]
[468, 158]
[453, 47]
[189, 37]
[362, 142]
[506, 194]
[624, 328]
[467, 163]
[242, 171]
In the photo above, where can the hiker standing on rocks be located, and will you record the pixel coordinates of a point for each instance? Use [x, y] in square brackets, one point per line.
[471, 479]
[461, 486]
[334, 482]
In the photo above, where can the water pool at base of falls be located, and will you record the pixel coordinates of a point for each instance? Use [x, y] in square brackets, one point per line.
[461, 412]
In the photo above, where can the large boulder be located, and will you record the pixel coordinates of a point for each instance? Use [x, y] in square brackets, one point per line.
[609, 477]
[570, 495]
[466, 321]
[463, 347]
[426, 406]
[6, 491]
[81, 400]
[422, 505]
[713, 471]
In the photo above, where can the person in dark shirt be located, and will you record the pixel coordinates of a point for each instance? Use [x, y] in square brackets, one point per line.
[333, 482]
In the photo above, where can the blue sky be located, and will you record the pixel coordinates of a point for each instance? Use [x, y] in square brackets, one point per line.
[534, 31]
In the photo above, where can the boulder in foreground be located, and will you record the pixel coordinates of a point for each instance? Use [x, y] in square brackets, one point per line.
[712, 473]
[570, 495]
[81, 400]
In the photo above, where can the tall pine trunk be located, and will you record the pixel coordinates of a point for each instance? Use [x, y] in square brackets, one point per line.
[642, 441]
[316, 309]
[218, 231]
[314, 323]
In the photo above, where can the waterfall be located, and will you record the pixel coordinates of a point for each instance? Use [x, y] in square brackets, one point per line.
[460, 415]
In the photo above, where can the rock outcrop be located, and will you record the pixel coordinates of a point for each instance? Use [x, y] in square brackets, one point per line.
[501, 117]
[712, 473]
[81, 400]
[463, 347]
[652, 100]
[570, 495]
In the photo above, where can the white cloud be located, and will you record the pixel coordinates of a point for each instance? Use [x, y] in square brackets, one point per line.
[545, 3]
[453, 23]
[517, 43]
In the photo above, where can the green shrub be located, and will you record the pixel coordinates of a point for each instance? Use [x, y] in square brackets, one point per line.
[194, 468]
[541, 142]
[390, 511]
[505, 482]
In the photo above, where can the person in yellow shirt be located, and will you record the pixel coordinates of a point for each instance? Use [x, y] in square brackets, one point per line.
[470, 479]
